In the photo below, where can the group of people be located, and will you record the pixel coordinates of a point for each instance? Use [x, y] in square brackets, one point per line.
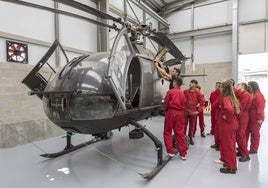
[236, 117]
[237, 114]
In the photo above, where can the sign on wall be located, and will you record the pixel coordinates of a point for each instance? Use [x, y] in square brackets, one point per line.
[17, 52]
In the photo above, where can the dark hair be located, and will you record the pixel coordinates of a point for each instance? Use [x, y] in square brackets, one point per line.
[230, 80]
[244, 85]
[198, 86]
[233, 82]
[177, 70]
[254, 86]
[218, 82]
[194, 81]
[178, 81]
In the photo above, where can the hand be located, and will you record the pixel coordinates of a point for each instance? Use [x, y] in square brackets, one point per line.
[259, 122]
[224, 116]
[196, 112]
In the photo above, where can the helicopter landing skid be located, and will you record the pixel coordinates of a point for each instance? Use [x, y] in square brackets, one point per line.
[159, 148]
[69, 147]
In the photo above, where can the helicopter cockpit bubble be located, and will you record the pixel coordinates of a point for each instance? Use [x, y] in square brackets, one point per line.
[94, 98]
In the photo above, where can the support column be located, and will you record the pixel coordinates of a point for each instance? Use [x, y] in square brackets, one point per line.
[57, 35]
[192, 41]
[103, 32]
[235, 7]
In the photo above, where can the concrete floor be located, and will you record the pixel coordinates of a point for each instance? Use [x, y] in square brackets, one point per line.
[117, 162]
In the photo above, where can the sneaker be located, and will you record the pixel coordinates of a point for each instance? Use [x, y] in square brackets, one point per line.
[203, 135]
[252, 152]
[171, 155]
[244, 158]
[214, 146]
[191, 141]
[183, 158]
[228, 171]
[238, 154]
[218, 161]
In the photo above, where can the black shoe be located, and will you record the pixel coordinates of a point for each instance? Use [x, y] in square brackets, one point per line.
[238, 154]
[191, 141]
[214, 146]
[203, 135]
[244, 158]
[228, 171]
[252, 152]
[217, 149]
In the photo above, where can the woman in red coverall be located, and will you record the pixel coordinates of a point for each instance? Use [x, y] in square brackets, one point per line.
[245, 101]
[174, 120]
[227, 122]
[256, 117]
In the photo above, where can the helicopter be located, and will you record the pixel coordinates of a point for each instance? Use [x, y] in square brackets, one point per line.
[97, 93]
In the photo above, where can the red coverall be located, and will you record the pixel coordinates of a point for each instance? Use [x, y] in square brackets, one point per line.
[193, 97]
[256, 112]
[215, 106]
[174, 105]
[200, 116]
[245, 100]
[213, 97]
[227, 132]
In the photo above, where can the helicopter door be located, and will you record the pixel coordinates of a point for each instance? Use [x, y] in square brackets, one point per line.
[120, 58]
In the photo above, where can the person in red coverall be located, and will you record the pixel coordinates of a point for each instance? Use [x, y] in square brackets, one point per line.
[228, 124]
[193, 98]
[214, 97]
[174, 105]
[245, 100]
[256, 117]
[200, 116]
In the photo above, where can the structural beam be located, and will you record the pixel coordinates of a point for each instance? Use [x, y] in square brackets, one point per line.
[235, 8]
[103, 32]
[200, 32]
[175, 6]
[149, 11]
[57, 35]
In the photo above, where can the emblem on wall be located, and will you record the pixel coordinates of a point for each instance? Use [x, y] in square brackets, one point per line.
[17, 52]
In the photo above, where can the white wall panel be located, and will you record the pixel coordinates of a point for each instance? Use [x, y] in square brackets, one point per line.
[3, 57]
[119, 4]
[213, 49]
[212, 15]
[26, 21]
[252, 10]
[184, 46]
[180, 21]
[252, 38]
[78, 33]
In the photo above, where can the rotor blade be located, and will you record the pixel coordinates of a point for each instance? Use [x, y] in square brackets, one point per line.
[59, 12]
[88, 9]
[172, 62]
[163, 41]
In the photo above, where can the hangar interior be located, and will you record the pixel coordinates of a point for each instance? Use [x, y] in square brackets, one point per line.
[220, 38]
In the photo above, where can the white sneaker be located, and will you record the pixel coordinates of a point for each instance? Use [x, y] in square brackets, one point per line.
[171, 154]
[183, 158]
[218, 161]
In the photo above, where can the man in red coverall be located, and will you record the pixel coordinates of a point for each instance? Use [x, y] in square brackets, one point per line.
[214, 96]
[193, 98]
[256, 117]
[174, 105]
[245, 101]
[200, 116]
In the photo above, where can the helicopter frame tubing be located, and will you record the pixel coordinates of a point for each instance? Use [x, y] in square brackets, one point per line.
[159, 148]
